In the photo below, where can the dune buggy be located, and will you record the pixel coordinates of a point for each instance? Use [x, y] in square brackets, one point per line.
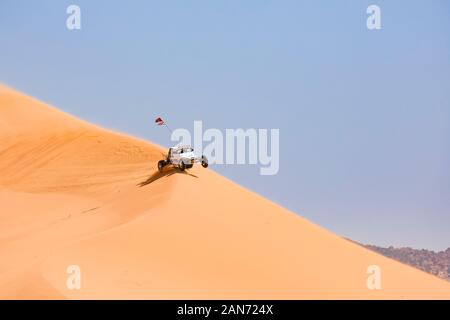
[182, 157]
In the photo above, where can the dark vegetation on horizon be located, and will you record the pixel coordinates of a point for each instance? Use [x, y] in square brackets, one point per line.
[436, 263]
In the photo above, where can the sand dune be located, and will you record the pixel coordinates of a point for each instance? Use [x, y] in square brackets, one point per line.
[75, 194]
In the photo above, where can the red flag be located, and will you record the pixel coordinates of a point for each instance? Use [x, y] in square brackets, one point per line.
[159, 121]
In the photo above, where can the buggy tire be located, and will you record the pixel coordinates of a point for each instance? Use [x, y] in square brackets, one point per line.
[161, 165]
[204, 162]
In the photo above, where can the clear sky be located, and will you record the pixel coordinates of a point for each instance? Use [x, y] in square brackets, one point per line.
[364, 116]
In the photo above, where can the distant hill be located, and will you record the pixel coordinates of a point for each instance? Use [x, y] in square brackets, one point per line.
[436, 263]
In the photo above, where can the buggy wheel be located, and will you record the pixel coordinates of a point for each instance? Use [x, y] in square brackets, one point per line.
[161, 165]
[182, 166]
[204, 162]
[188, 166]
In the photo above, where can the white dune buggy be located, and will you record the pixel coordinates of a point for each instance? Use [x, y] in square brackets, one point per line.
[182, 157]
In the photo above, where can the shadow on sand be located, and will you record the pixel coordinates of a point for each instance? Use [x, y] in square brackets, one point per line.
[165, 173]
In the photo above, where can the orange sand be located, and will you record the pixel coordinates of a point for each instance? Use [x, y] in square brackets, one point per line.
[75, 194]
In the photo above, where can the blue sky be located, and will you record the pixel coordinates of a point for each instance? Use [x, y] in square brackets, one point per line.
[364, 116]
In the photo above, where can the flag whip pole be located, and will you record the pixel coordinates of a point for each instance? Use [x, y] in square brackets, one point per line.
[160, 122]
[170, 130]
